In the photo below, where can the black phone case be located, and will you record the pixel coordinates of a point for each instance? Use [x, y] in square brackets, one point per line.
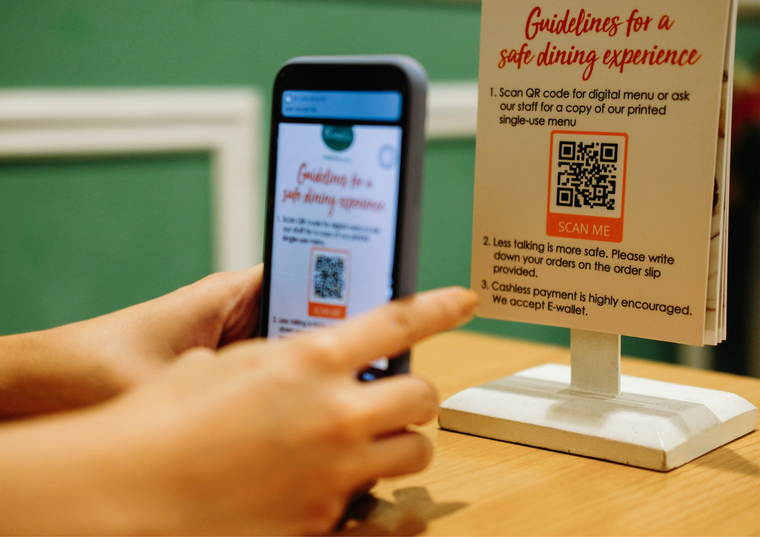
[410, 191]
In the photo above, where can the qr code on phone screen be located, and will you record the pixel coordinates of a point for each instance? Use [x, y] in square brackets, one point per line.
[328, 289]
[328, 276]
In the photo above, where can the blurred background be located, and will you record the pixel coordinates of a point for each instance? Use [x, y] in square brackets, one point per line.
[133, 136]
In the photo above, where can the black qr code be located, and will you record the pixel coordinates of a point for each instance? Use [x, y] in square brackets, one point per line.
[587, 174]
[328, 277]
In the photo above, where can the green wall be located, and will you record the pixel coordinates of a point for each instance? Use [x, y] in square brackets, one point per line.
[748, 40]
[83, 237]
[138, 43]
[220, 42]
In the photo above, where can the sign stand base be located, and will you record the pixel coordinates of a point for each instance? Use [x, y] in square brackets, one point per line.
[590, 409]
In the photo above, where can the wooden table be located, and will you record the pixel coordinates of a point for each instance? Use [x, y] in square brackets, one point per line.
[478, 486]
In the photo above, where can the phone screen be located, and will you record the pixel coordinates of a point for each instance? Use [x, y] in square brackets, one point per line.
[335, 196]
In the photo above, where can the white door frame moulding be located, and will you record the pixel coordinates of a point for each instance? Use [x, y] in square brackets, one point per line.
[452, 110]
[224, 122]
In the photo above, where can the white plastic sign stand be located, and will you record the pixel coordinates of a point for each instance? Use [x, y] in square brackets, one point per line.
[590, 409]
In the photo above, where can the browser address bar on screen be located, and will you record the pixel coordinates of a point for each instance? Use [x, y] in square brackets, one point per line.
[358, 105]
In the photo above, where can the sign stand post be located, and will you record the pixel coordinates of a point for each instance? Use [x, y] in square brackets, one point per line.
[590, 409]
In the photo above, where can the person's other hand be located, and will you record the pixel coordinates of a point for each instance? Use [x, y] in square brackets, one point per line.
[260, 437]
[90, 361]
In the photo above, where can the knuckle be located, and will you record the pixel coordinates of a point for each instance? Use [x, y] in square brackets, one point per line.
[325, 349]
[215, 280]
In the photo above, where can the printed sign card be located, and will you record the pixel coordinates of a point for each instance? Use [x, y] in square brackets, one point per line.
[602, 165]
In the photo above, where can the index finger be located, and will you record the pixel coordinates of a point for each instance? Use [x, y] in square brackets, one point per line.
[389, 330]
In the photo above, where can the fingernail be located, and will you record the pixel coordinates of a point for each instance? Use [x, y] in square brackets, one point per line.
[469, 301]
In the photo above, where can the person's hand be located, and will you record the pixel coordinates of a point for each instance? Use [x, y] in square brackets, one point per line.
[259, 437]
[90, 361]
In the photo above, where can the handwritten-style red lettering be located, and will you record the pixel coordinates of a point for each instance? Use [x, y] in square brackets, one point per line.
[518, 57]
[551, 56]
[665, 23]
[637, 23]
[621, 58]
[581, 24]
[325, 177]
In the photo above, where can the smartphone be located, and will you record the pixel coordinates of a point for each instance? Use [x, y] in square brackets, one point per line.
[343, 197]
